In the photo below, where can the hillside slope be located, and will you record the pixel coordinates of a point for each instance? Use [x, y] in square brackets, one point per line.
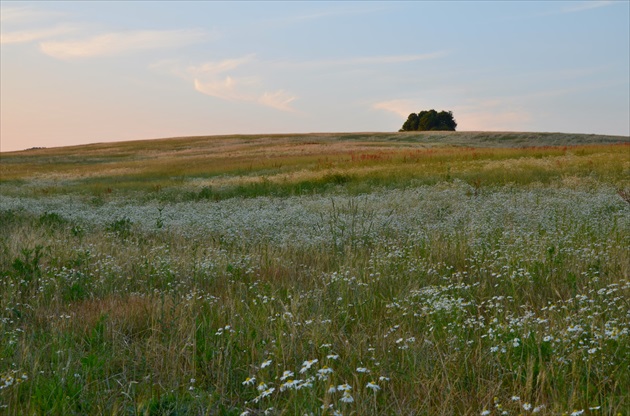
[251, 165]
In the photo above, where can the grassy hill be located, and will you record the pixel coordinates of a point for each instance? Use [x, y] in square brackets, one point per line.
[321, 274]
[226, 166]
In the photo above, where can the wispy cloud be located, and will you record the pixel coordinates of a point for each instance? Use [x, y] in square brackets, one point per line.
[231, 89]
[217, 79]
[215, 68]
[228, 88]
[401, 108]
[574, 7]
[245, 90]
[26, 14]
[18, 22]
[280, 100]
[569, 7]
[122, 42]
[386, 59]
[24, 36]
[586, 5]
[362, 60]
[328, 13]
[232, 79]
[322, 14]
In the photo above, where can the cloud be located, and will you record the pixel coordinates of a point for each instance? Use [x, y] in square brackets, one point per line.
[26, 14]
[207, 71]
[210, 79]
[231, 79]
[122, 42]
[24, 36]
[279, 100]
[16, 18]
[240, 89]
[216, 79]
[576, 7]
[401, 108]
[214, 68]
[387, 59]
[329, 13]
[586, 5]
[226, 89]
[362, 60]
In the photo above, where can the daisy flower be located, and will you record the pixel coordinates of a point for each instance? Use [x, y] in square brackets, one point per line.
[372, 385]
[347, 398]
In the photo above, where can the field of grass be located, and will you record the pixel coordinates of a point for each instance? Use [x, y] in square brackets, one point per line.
[354, 274]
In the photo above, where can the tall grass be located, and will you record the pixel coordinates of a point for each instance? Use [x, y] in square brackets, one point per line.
[447, 300]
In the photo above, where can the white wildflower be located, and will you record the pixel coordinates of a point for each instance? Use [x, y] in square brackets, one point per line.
[322, 373]
[267, 392]
[289, 385]
[286, 375]
[344, 387]
[347, 398]
[306, 365]
[372, 385]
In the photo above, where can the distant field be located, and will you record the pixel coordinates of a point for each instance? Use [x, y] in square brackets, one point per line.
[282, 165]
[466, 273]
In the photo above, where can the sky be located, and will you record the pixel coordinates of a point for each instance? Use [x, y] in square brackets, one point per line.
[84, 72]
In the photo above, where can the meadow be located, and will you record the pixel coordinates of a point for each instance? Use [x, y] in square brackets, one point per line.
[443, 273]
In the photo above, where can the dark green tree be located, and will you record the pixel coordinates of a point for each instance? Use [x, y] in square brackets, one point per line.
[430, 121]
[445, 121]
[412, 123]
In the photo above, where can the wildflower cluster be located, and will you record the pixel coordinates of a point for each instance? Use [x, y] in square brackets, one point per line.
[12, 378]
[319, 381]
[322, 304]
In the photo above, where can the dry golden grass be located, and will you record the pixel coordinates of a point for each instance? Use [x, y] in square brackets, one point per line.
[285, 164]
[233, 152]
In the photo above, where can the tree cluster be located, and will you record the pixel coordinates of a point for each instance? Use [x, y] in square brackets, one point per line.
[430, 120]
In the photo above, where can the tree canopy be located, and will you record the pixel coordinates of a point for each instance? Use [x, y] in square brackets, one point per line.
[430, 120]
